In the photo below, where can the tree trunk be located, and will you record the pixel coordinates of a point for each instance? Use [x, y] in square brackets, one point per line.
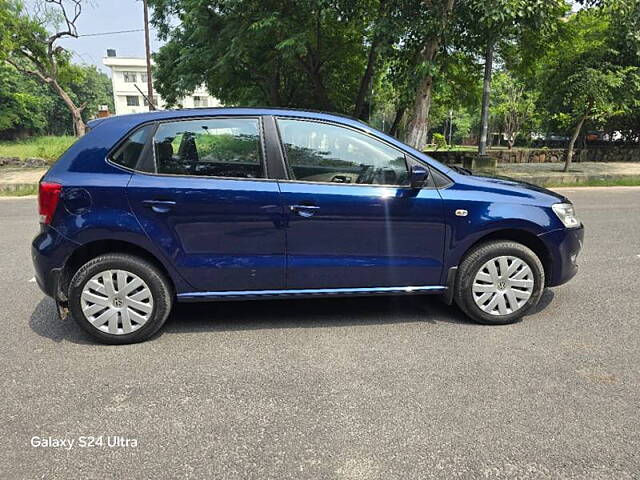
[365, 82]
[274, 87]
[576, 132]
[393, 131]
[486, 92]
[419, 126]
[79, 126]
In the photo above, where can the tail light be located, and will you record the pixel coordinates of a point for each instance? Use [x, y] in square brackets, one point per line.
[48, 196]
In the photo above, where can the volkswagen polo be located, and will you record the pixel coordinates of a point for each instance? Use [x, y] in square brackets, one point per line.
[151, 209]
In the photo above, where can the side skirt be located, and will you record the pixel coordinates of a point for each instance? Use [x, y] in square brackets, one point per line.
[302, 293]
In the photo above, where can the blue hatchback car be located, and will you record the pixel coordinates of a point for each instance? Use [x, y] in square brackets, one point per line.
[244, 203]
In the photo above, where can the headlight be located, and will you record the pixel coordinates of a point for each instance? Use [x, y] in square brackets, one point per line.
[566, 214]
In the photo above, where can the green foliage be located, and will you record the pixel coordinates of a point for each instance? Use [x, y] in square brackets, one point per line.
[583, 75]
[227, 148]
[29, 107]
[439, 140]
[280, 53]
[32, 49]
[553, 67]
[512, 107]
[23, 104]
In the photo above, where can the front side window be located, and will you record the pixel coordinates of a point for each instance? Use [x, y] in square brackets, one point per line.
[129, 77]
[133, 101]
[320, 152]
[129, 152]
[223, 147]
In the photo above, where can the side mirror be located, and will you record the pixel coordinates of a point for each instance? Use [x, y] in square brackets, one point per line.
[418, 176]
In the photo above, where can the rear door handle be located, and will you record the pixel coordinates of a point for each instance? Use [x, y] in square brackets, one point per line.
[304, 210]
[159, 206]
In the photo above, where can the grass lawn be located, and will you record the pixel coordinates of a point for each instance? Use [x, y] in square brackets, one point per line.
[47, 147]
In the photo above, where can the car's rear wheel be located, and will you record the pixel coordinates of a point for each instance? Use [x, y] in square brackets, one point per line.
[119, 298]
[499, 282]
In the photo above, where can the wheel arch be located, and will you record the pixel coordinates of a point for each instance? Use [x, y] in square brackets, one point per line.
[87, 251]
[524, 237]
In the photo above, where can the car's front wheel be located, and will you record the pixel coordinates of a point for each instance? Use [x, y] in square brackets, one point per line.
[119, 298]
[498, 282]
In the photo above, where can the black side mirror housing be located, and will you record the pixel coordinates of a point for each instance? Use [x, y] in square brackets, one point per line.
[418, 176]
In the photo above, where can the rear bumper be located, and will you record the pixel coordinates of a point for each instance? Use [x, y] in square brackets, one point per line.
[564, 246]
[49, 252]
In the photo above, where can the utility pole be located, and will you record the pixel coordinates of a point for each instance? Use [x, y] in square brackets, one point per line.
[148, 50]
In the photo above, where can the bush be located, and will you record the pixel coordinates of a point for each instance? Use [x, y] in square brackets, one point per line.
[439, 140]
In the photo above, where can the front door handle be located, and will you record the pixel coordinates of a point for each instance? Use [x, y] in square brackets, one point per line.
[304, 210]
[159, 206]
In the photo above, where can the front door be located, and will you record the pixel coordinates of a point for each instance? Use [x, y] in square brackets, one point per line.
[354, 221]
[208, 206]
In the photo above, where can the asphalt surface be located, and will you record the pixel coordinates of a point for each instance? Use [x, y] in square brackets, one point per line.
[346, 388]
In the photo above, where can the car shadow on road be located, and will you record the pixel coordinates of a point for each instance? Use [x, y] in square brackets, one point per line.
[278, 314]
[46, 323]
[310, 313]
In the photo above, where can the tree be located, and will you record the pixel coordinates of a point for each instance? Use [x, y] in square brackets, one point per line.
[435, 16]
[30, 107]
[86, 84]
[311, 54]
[585, 79]
[484, 24]
[31, 49]
[513, 105]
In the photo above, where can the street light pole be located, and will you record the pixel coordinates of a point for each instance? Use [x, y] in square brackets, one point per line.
[148, 51]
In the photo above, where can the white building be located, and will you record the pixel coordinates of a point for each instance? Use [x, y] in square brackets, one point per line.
[129, 72]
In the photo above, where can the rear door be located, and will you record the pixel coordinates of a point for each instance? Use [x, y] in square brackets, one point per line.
[207, 203]
[353, 219]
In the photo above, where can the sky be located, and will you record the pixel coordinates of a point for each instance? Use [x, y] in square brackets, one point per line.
[101, 16]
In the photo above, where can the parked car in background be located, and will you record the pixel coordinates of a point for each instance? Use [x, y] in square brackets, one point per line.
[240, 203]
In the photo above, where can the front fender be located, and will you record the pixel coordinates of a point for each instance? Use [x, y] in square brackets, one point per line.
[485, 218]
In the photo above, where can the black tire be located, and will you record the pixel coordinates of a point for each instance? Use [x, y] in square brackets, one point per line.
[155, 280]
[473, 262]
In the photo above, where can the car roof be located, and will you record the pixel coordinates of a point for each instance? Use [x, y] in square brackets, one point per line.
[159, 115]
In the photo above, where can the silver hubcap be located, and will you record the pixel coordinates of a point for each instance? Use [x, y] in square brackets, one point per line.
[117, 302]
[503, 285]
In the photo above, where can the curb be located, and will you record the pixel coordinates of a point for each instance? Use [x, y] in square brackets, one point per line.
[571, 179]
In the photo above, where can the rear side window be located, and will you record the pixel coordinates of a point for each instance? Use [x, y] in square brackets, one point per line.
[219, 147]
[129, 152]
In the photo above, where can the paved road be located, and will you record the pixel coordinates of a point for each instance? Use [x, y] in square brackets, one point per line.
[352, 388]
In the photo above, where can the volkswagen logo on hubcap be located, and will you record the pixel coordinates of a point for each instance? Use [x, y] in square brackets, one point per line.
[117, 302]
